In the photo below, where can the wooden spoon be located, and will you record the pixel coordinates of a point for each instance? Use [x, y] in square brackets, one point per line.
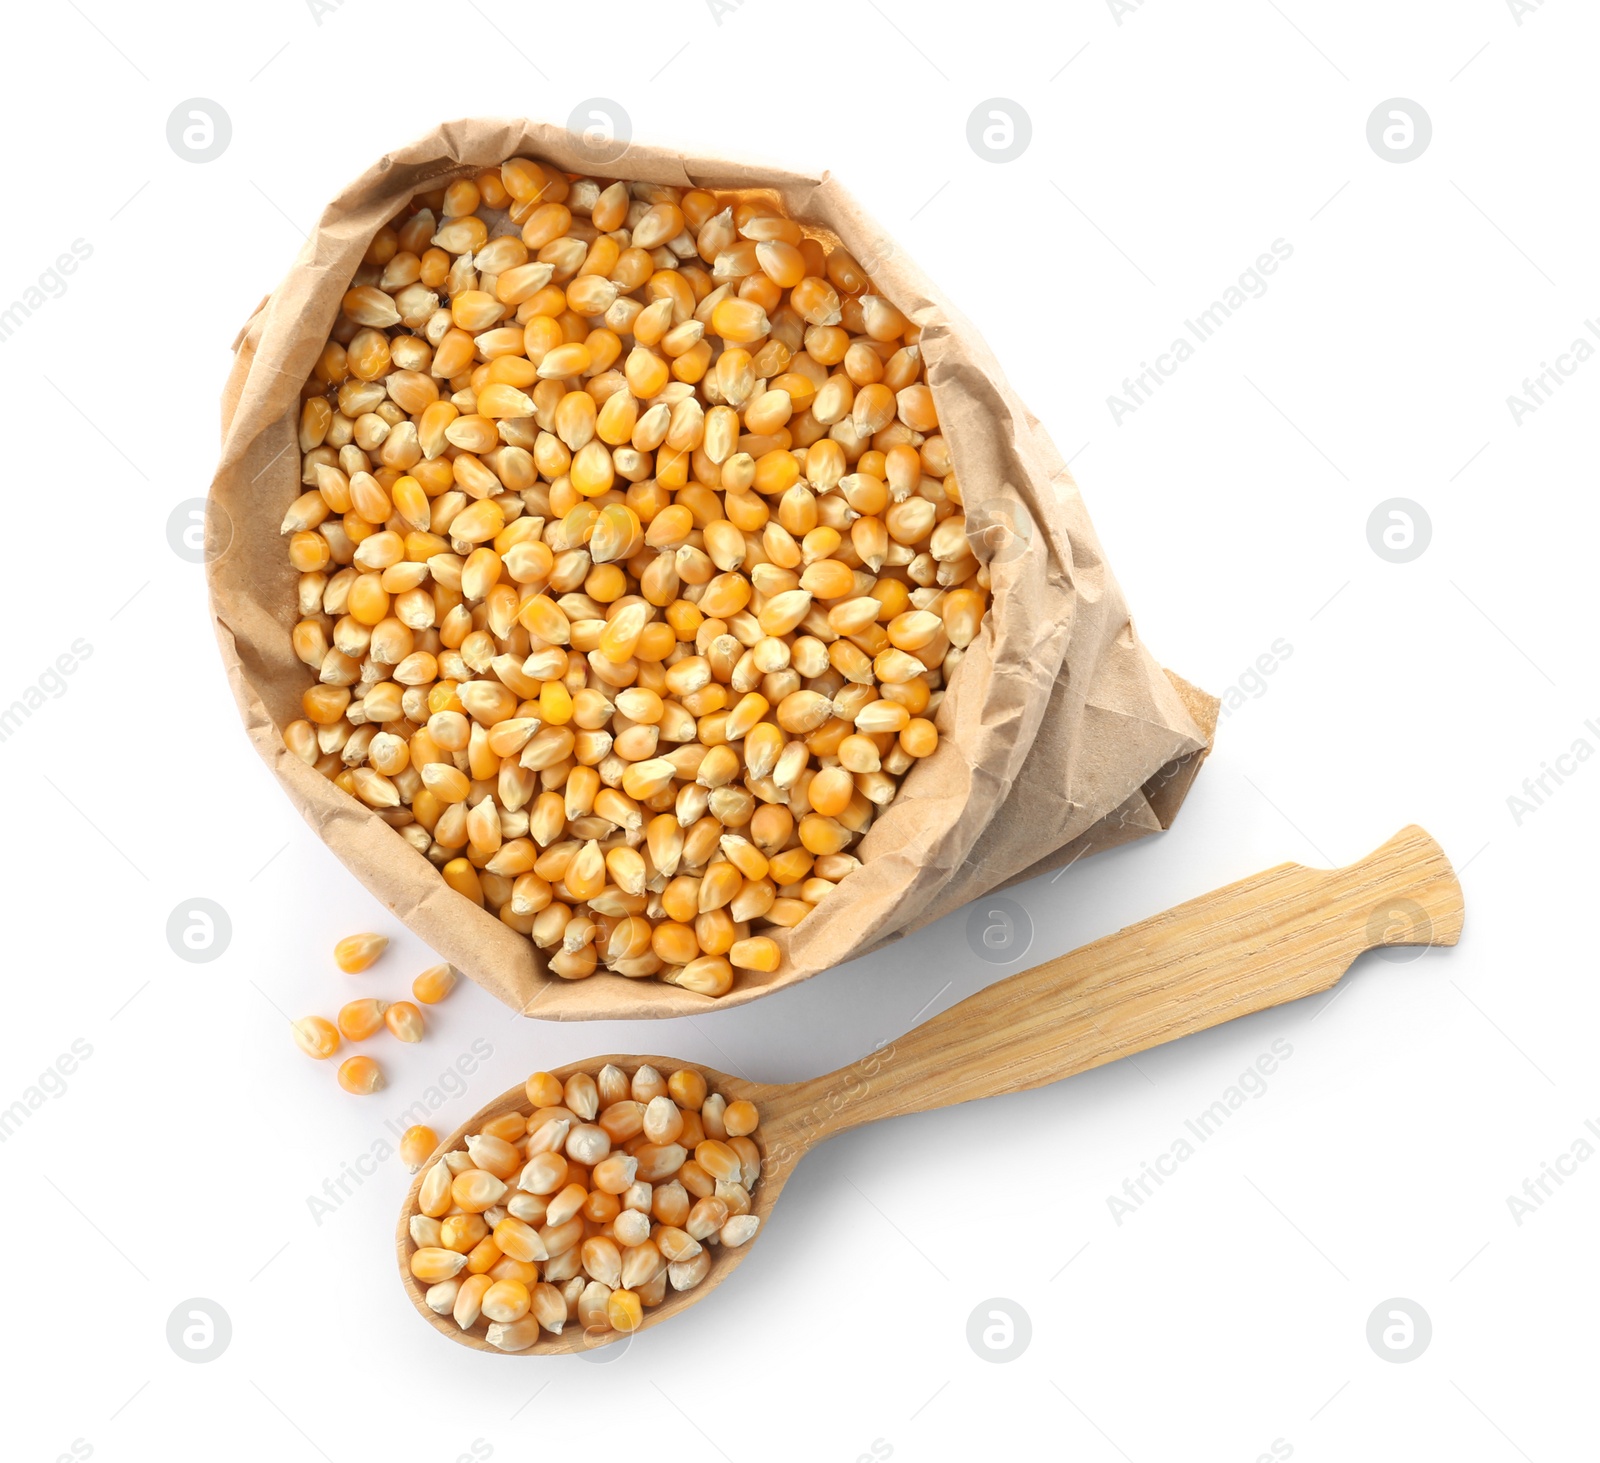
[1283, 934]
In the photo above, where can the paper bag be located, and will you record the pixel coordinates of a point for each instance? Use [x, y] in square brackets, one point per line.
[1060, 734]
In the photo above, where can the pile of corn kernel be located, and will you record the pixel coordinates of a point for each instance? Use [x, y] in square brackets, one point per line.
[366, 1016]
[632, 565]
[585, 1212]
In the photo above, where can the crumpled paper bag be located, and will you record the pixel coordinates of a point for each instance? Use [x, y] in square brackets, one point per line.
[1060, 733]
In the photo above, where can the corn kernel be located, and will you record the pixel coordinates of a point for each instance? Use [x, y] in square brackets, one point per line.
[316, 1036]
[404, 1021]
[416, 1144]
[360, 1019]
[434, 984]
[356, 953]
[360, 1075]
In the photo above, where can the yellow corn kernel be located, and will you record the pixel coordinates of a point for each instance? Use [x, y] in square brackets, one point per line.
[519, 1240]
[404, 1020]
[356, 953]
[474, 1190]
[624, 1311]
[483, 1256]
[416, 1145]
[432, 1265]
[468, 1304]
[687, 1088]
[360, 1075]
[570, 359]
[815, 301]
[919, 737]
[739, 322]
[316, 1036]
[463, 1232]
[434, 984]
[822, 835]
[718, 1160]
[433, 1195]
[719, 885]
[324, 705]
[756, 953]
[494, 1153]
[510, 1126]
[463, 878]
[360, 1019]
[708, 975]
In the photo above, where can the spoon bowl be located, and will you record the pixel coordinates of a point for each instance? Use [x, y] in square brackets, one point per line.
[769, 1101]
[1278, 936]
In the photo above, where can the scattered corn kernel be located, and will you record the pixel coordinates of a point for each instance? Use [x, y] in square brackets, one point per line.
[360, 1019]
[416, 1144]
[355, 953]
[360, 1075]
[434, 984]
[404, 1021]
[316, 1036]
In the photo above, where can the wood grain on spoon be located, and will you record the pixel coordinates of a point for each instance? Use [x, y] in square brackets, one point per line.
[1278, 936]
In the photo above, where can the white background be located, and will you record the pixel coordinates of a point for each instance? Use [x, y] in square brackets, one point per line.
[1168, 150]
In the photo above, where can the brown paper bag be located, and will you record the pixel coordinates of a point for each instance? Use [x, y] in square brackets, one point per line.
[1060, 734]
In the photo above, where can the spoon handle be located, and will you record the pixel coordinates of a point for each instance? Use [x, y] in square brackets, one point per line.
[1280, 935]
